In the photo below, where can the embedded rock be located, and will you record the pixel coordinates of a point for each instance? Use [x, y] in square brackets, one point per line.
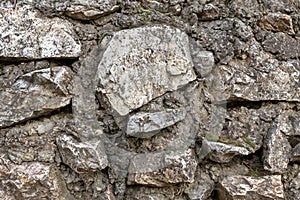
[156, 59]
[162, 168]
[248, 188]
[26, 35]
[78, 9]
[271, 80]
[295, 157]
[145, 125]
[277, 22]
[34, 94]
[276, 152]
[284, 46]
[294, 187]
[220, 152]
[32, 180]
[82, 156]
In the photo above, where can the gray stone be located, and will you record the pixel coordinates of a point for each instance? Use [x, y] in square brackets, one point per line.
[270, 80]
[145, 125]
[220, 152]
[209, 12]
[32, 180]
[295, 157]
[276, 151]
[248, 188]
[201, 188]
[162, 168]
[284, 46]
[34, 94]
[156, 59]
[26, 35]
[84, 156]
[77, 9]
[294, 187]
[277, 22]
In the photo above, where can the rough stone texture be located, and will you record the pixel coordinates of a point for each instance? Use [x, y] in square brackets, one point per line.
[143, 125]
[34, 94]
[32, 180]
[295, 157]
[163, 168]
[85, 156]
[26, 35]
[155, 58]
[277, 22]
[276, 153]
[245, 187]
[220, 152]
[78, 9]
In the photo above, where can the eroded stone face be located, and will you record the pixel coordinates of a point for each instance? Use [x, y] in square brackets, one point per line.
[34, 94]
[26, 35]
[162, 168]
[33, 180]
[143, 125]
[155, 59]
[248, 188]
[277, 22]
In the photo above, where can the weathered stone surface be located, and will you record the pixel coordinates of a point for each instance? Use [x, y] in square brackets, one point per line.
[78, 9]
[155, 58]
[201, 188]
[26, 35]
[32, 180]
[34, 94]
[248, 188]
[271, 80]
[295, 157]
[220, 152]
[276, 152]
[294, 187]
[277, 22]
[82, 156]
[145, 125]
[162, 168]
[284, 46]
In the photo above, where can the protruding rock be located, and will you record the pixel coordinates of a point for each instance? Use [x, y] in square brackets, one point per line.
[295, 157]
[35, 94]
[276, 151]
[32, 180]
[82, 156]
[249, 188]
[145, 125]
[220, 152]
[277, 22]
[26, 35]
[163, 168]
[141, 64]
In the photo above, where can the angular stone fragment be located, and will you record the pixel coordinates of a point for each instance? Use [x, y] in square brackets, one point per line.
[294, 187]
[32, 180]
[295, 157]
[277, 22]
[82, 156]
[282, 45]
[35, 94]
[276, 151]
[145, 125]
[249, 188]
[162, 168]
[26, 35]
[220, 152]
[271, 80]
[141, 64]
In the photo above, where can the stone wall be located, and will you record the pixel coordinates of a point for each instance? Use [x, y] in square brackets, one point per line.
[144, 99]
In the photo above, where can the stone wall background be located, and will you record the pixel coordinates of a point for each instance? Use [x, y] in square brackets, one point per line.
[165, 99]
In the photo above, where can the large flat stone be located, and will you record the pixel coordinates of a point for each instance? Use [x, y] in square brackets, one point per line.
[26, 35]
[162, 168]
[34, 94]
[248, 188]
[141, 64]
